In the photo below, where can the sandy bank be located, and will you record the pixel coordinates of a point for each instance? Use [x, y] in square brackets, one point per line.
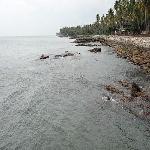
[136, 41]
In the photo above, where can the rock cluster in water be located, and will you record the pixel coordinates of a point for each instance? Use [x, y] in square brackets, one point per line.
[89, 41]
[87, 44]
[44, 56]
[66, 54]
[132, 97]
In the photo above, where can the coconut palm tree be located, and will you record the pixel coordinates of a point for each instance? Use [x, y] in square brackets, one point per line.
[146, 6]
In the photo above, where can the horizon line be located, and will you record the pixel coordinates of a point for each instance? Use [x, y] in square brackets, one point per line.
[27, 35]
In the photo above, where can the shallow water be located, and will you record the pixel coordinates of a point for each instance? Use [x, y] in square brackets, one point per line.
[57, 104]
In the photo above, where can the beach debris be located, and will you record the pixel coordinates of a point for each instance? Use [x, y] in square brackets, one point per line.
[95, 50]
[44, 56]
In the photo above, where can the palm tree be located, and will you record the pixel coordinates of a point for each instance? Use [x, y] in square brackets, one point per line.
[111, 20]
[146, 5]
[97, 18]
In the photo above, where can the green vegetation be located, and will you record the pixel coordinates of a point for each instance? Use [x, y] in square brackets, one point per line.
[126, 17]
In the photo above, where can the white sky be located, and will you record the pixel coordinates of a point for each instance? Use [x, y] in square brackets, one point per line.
[45, 17]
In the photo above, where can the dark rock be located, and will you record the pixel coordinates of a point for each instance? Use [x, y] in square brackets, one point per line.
[89, 45]
[44, 57]
[83, 40]
[57, 56]
[88, 40]
[108, 98]
[113, 89]
[95, 50]
[68, 54]
[82, 44]
[135, 90]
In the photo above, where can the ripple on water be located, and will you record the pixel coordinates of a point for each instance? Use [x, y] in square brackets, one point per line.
[59, 104]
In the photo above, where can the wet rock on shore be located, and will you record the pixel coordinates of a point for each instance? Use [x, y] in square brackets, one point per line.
[132, 98]
[135, 49]
[95, 50]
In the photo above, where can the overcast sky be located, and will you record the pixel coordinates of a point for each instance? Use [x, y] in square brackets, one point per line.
[45, 17]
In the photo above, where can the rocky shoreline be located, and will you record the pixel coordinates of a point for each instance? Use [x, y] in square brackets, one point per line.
[137, 50]
[132, 97]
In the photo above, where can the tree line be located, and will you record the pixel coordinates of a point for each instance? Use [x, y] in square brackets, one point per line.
[126, 17]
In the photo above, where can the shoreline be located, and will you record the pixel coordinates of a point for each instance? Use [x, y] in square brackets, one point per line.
[135, 49]
[136, 100]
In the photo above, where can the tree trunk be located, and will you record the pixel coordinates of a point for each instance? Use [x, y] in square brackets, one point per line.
[146, 20]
